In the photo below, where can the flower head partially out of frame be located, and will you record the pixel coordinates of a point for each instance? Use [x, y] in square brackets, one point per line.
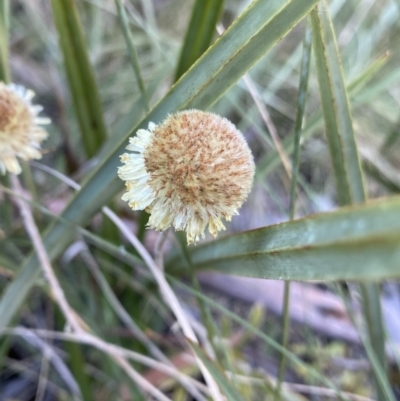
[20, 127]
[190, 171]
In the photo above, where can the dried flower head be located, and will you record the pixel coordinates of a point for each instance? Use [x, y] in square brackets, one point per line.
[20, 131]
[189, 171]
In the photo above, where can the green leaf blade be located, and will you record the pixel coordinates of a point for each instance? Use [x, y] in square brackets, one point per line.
[352, 243]
[4, 27]
[199, 34]
[335, 105]
[82, 84]
[346, 163]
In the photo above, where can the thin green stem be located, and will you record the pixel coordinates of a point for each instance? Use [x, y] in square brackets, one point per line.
[301, 102]
[285, 337]
[5, 75]
[132, 52]
[77, 365]
[373, 317]
[30, 185]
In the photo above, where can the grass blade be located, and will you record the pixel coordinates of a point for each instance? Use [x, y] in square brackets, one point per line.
[343, 148]
[199, 33]
[344, 153]
[82, 84]
[381, 377]
[338, 124]
[4, 24]
[301, 103]
[373, 316]
[132, 52]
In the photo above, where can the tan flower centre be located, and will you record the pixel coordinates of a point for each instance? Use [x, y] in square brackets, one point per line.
[197, 157]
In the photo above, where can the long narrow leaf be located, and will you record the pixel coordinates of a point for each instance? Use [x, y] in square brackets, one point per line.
[301, 103]
[132, 52]
[368, 73]
[344, 153]
[352, 243]
[338, 125]
[82, 84]
[199, 34]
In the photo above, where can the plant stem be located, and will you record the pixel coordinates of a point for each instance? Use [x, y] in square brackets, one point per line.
[301, 102]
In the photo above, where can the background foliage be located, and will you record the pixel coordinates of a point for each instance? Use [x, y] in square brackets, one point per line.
[315, 88]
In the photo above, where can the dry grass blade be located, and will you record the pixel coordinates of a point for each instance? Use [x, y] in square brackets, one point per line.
[71, 317]
[44, 260]
[158, 275]
[128, 321]
[168, 294]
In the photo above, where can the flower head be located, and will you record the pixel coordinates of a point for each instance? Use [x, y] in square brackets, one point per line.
[189, 171]
[20, 131]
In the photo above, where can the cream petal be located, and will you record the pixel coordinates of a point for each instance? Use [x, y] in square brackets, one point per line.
[160, 218]
[36, 108]
[42, 120]
[180, 221]
[215, 225]
[139, 198]
[12, 165]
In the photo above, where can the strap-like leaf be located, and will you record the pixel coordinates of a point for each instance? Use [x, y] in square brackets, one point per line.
[344, 154]
[352, 243]
[199, 33]
[82, 84]
[335, 105]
